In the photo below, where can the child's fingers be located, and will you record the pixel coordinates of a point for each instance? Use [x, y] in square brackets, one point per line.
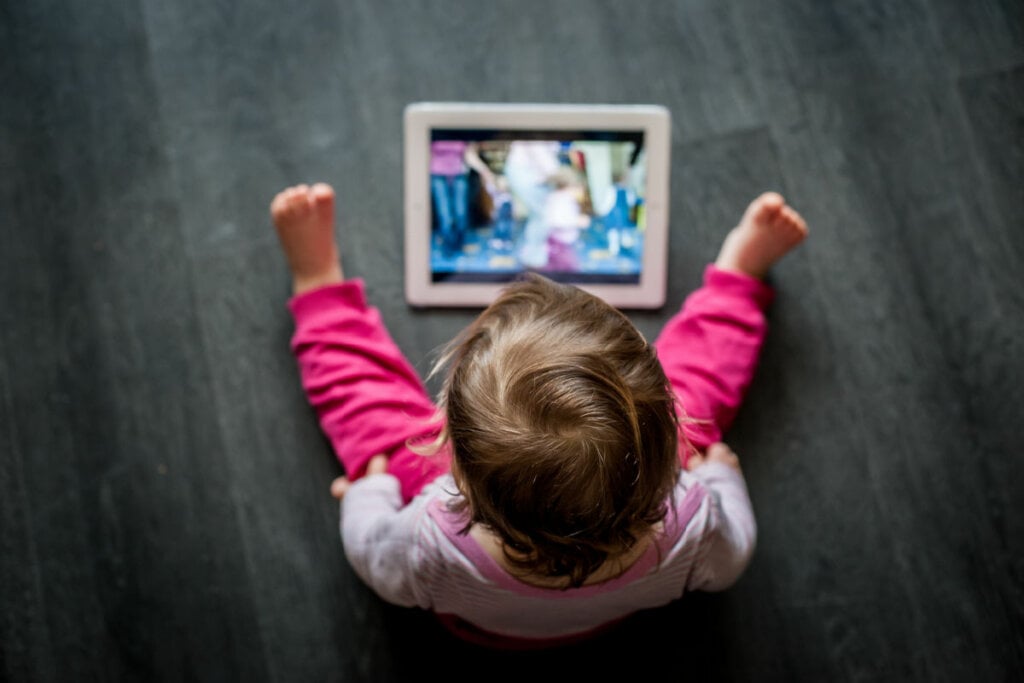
[719, 452]
[378, 465]
[339, 487]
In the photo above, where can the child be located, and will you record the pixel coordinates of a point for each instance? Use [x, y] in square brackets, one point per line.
[578, 474]
[565, 219]
[528, 166]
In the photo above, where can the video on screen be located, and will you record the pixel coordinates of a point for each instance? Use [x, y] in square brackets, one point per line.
[568, 204]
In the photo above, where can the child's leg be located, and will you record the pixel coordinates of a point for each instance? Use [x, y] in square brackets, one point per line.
[710, 348]
[304, 219]
[367, 396]
[709, 351]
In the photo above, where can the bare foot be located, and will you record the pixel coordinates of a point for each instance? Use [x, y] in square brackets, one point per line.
[304, 219]
[768, 230]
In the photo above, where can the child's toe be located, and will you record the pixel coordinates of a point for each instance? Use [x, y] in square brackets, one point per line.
[322, 191]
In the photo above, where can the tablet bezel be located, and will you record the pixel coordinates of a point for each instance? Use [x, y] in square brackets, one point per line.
[421, 117]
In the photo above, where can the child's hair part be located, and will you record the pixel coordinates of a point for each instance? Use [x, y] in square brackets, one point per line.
[562, 428]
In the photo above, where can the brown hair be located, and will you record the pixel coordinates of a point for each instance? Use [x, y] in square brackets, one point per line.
[562, 429]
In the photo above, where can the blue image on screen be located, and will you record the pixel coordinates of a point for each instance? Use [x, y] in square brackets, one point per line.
[568, 204]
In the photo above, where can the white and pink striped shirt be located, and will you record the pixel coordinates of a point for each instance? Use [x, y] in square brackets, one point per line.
[413, 556]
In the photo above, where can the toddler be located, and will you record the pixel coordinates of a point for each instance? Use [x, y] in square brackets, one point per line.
[571, 473]
[565, 219]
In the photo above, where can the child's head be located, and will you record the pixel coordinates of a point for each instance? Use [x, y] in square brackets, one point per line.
[562, 428]
[564, 177]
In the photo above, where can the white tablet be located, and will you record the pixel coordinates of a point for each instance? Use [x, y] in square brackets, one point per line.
[578, 193]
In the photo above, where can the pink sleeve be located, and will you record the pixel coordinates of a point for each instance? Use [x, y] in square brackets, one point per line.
[710, 350]
[367, 396]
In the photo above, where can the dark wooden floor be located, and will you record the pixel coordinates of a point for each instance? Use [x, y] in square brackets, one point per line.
[163, 485]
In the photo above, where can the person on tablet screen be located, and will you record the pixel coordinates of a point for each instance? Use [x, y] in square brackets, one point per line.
[528, 166]
[620, 219]
[450, 164]
[502, 212]
[570, 472]
[565, 219]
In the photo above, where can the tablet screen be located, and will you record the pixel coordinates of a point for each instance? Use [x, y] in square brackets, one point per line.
[569, 204]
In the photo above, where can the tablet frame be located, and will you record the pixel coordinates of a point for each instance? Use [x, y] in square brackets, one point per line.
[654, 121]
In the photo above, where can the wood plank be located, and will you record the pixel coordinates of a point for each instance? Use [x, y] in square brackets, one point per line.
[109, 381]
[163, 503]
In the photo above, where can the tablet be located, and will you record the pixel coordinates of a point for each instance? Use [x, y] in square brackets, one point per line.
[578, 193]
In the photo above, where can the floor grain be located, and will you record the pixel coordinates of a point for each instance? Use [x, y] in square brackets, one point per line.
[163, 484]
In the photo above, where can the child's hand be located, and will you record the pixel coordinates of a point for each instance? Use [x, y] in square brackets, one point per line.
[717, 452]
[378, 465]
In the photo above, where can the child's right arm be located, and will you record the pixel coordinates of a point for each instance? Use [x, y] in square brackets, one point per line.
[379, 538]
[731, 533]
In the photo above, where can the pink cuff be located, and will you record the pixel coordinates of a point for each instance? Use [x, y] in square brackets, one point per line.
[731, 282]
[351, 293]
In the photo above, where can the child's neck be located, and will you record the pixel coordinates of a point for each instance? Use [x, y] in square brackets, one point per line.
[612, 568]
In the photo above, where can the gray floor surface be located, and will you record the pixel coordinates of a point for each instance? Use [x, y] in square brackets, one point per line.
[163, 483]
